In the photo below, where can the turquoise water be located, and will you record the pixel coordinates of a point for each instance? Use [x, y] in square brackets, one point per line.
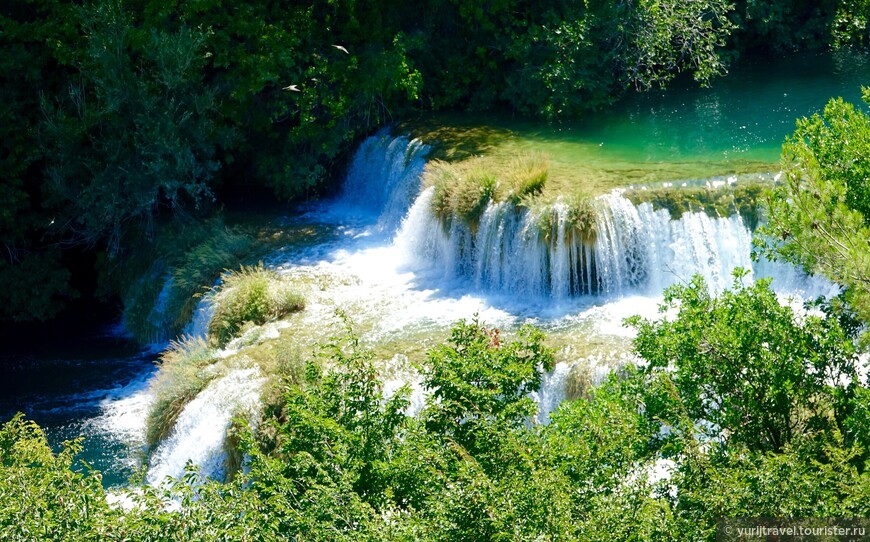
[736, 126]
[745, 115]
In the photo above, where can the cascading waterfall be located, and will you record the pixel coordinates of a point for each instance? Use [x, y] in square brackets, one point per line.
[201, 429]
[383, 179]
[546, 253]
[535, 253]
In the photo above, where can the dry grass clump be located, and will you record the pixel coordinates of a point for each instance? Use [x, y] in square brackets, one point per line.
[526, 176]
[578, 215]
[252, 295]
[462, 190]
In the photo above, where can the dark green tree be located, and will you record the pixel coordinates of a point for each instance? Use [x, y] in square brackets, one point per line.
[131, 136]
[746, 368]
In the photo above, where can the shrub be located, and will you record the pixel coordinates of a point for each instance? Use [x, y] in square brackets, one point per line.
[251, 295]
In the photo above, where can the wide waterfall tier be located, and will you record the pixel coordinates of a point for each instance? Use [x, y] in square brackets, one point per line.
[557, 251]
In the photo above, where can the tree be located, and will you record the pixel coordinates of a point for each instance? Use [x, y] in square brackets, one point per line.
[133, 134]
[820, 213]
[745, 368]
[477, 381]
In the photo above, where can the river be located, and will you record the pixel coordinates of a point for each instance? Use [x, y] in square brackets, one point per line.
[402, 276]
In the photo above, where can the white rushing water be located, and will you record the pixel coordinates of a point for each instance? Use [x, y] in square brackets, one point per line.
[404, 276]
[201, 429]
[635, 250]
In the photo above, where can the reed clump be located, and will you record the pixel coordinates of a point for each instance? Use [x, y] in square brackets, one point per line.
[578, 215]
[461, 190]
[464, 189]
[526, 177]
[253, 295]
[583, 217]
[186, 368]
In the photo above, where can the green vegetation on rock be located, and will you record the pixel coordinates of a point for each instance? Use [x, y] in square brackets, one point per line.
[743, 199]
[464, 189]
[185, 369]
[251, 295]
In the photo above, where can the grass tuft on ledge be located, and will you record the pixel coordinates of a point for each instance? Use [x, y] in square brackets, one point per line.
[252, 295]
[464, 189]
[186, 368]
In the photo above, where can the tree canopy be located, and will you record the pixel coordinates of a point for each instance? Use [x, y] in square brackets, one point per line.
[820, 212]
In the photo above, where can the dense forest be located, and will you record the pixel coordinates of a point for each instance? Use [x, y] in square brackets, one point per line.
[126, 124]
[130, 125]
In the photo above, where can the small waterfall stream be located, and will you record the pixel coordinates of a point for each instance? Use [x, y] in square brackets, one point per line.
[201, 429]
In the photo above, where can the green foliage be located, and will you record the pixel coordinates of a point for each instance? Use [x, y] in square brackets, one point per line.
[477, 380]
[850, 26]
[820, 213]
[43, 498]
[753, 371]
[253, 295]
[578, 58]
[37, 286]
[336, 458]
[339, 429]
[134, 133]
[791, 26]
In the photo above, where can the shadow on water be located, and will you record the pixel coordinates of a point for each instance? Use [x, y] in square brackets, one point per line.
[61, 374]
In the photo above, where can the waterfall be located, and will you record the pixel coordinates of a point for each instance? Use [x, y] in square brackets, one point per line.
[382, 180]
[201, 429]
[543, 253]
